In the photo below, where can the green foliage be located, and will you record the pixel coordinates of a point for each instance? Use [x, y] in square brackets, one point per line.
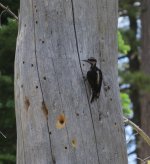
[126, 104]
[8, 34]
[122, 46]
[129, 7]
[7, 158]
[129, 37]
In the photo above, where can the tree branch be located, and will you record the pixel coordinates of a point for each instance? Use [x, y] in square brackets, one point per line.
[139, 130]
[122, 57]
[3, 134]
[9, 11]
[124, 89]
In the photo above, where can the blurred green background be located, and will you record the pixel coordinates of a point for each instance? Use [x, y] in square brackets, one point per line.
[8, 34]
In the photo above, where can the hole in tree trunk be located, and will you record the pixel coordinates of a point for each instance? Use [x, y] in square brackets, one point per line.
[74, 143]
[61, 121]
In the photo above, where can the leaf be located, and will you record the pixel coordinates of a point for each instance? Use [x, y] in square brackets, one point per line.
[122, 46]
[126, 104]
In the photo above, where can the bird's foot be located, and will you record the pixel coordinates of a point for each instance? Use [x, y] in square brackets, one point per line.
[84, 78]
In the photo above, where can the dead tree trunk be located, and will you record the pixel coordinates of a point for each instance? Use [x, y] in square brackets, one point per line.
[144, 149]
[56, 123]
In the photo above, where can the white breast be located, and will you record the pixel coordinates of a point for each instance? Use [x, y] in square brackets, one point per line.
[98, 77]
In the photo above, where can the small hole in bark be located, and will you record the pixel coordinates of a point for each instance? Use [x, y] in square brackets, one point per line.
[43, 41]
[83, 64]
[36, 87]
[44, 78]
[36, 10]
[100, 117]
[103, 60]
[24, 25]
[36, 22]
[22, 86]
[50, 133]
[77, 114]
[45, 110]
[51, 31]
[115, 123]
[74, 143]
[110, 99]
[35, 6]
[61, 121]
[23, 62]
[105, 88]
[66, 147]
[27, 103]
[31, 65]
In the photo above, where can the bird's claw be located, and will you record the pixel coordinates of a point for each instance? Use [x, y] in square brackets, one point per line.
[84, 78]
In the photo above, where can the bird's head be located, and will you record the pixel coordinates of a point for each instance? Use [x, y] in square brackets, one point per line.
[91, 61]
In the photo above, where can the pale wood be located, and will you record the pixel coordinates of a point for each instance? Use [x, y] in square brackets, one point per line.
[54, 36]
[142, 134]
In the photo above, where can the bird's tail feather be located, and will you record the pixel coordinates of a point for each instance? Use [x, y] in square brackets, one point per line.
[94, 96]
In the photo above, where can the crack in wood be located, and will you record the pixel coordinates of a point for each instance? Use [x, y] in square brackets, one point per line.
[76, 39]
[52, 155]
[45, 110]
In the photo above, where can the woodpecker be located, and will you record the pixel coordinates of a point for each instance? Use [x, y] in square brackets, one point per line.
[94, 77]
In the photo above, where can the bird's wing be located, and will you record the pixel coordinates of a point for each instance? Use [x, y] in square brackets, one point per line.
[99, 78]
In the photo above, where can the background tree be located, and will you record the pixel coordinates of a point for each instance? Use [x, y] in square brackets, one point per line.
[52, 105]
[145, 61]
[136, 80]
[130, 36]
[131, 10]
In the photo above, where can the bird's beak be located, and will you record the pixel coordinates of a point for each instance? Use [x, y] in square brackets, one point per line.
[86, 61]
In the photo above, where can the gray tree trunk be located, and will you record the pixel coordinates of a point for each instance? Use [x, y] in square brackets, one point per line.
[56, 123]
[144, 148]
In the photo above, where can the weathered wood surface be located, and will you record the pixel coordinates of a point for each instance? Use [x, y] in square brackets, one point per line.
[54, 36]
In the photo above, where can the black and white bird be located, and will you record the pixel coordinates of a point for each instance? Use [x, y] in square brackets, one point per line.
[94, 77]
